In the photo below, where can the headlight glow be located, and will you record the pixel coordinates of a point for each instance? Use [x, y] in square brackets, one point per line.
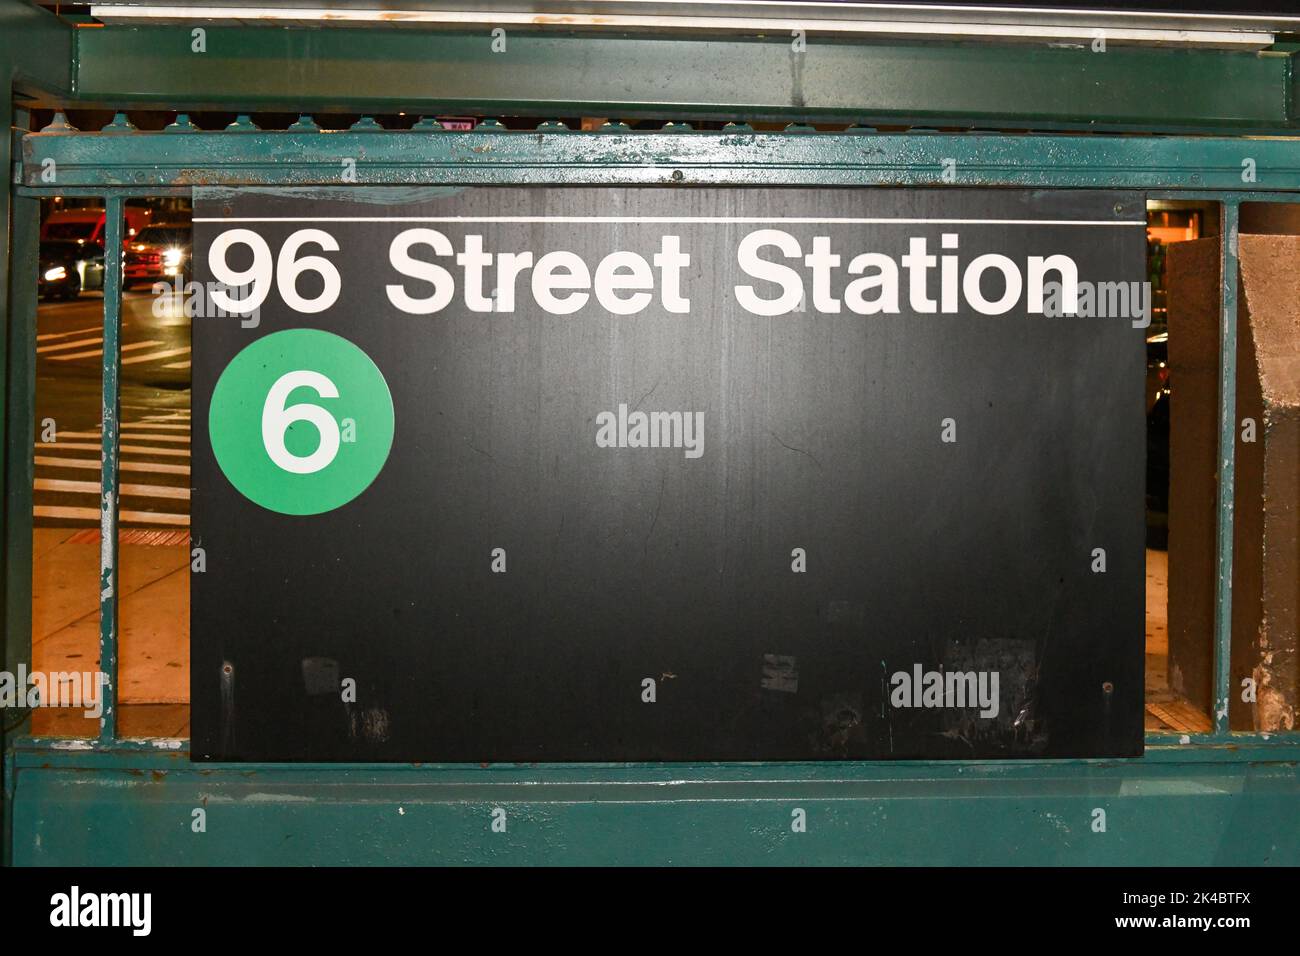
[172, 257]
[55, 274]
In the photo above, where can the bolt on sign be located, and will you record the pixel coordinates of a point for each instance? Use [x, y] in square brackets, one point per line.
[612, 474]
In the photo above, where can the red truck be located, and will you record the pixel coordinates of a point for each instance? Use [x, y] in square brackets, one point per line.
[87, 225]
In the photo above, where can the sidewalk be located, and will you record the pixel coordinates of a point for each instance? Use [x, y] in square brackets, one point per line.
[153, 612]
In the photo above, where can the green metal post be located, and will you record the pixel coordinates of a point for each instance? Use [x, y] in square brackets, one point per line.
[1227, 459]
[18, 375]
[35, 56]
[19, 348]
[109, 439]
[8, 642]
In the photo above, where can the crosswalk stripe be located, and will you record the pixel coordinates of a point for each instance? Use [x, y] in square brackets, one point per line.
[92, 514]
[133, 536]
[165, 353]
[94, 353]
[182, 439]
[148, 479]
[63, 335]
[126, 488]
[141, 449]
[151, 467]
[43, 349]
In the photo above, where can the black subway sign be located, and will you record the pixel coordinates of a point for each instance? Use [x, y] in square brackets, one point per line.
[667, 474]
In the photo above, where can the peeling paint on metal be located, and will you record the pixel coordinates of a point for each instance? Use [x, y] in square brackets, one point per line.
[278, 798]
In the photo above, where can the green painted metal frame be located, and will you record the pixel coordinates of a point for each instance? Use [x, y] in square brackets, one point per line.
[862, 157]
[1213, 798]
[1234, 792]
[1216, 808]
[110, 440]
[1227, 464]
[35, 60]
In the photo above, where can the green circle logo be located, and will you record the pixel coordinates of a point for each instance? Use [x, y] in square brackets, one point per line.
[301, 421]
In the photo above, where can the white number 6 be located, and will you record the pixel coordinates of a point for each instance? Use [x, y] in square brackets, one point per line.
[290, 268]
[276, 420]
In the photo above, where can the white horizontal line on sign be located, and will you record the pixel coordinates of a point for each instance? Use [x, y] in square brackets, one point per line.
[750, 220]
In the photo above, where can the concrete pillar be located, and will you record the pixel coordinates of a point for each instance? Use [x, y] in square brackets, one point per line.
[1266, 558]
[1266, 555]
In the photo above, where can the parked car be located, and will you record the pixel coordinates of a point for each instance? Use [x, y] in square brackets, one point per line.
[159, 253]
[66, 268]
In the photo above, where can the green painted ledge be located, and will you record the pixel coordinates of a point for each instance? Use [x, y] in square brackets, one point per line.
[1187, 805]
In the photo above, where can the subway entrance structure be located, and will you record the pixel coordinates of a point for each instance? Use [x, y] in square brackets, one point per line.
[1160, 110]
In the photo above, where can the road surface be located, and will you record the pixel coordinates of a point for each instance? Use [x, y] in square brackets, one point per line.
[155, 411]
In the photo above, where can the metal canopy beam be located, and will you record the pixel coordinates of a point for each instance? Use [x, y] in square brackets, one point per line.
[756, 78]
[420, 157]
[35, 51]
